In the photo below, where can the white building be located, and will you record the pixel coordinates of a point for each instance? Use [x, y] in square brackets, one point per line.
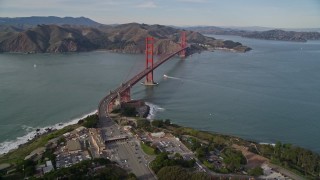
[48, 167]
[158, 135]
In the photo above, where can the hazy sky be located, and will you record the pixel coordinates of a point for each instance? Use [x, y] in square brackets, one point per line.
[267, 13]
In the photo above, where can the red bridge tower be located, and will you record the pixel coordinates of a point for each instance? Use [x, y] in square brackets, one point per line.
[149, 61]
[183, 44]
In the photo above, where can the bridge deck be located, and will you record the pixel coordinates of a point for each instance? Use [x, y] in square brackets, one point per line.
[124, 86]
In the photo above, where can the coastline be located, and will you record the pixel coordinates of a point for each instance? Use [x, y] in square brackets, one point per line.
[203, 136]
[11, 145]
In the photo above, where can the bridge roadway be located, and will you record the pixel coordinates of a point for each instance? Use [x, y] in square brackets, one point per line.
[128, 154]
[124, 86]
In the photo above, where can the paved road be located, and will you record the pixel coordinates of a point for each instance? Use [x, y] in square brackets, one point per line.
[127, 153]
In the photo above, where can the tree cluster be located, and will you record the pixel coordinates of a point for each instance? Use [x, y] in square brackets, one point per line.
[179, 173]
[129, 111]
[233, 159]
[161, 123]
[90, 121]
[163, 160]
[257, 171]
[293, 157]
[88, 170]
[143, 123]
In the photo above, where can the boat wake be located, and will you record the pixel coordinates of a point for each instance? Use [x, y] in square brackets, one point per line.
[170, 77]
[31, 132]
[153, 110]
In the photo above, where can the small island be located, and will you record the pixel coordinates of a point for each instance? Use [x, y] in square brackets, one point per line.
[165, 149]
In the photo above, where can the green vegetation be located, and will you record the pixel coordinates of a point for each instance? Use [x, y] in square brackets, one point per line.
[201, 143]
[147, 149]
[144, 124]
[19, 154]
[230, 44]
[294, 158]
[160, 123]
[129, 112]
[179, 173]
[90, 121]
[157, 123]
[192, 143]
[219, 141]
[27, 167]
[208, 165]
[91, 169]
[257, 171]
[233, 159]
[163, 160]
[88, 169]
[126, 111]
[49, 154]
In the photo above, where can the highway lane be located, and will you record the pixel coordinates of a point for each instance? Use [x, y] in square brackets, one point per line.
[128, 154]
[133, 153]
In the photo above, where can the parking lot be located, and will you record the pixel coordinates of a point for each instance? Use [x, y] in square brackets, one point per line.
[126, 152]
[172, 145]
[67, 160]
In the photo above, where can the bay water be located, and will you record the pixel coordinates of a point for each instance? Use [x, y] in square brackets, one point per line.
[269, 94]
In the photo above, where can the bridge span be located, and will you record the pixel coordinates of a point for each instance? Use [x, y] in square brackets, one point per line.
[122, 93]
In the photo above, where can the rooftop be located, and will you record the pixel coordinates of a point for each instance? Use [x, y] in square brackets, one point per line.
[73, 145]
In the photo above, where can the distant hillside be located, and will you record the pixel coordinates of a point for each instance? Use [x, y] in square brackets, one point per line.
[284, 35]
[46, 38]
[36, 20]
[126, 38]
[280, 35]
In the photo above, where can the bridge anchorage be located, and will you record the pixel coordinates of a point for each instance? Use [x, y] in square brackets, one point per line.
[122, 93]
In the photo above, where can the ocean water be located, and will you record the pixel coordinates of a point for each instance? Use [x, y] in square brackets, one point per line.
[268, 94]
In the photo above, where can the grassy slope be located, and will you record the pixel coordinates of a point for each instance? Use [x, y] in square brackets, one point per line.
[147, 149]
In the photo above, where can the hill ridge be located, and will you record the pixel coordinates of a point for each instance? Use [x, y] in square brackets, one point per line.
[125, 38]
